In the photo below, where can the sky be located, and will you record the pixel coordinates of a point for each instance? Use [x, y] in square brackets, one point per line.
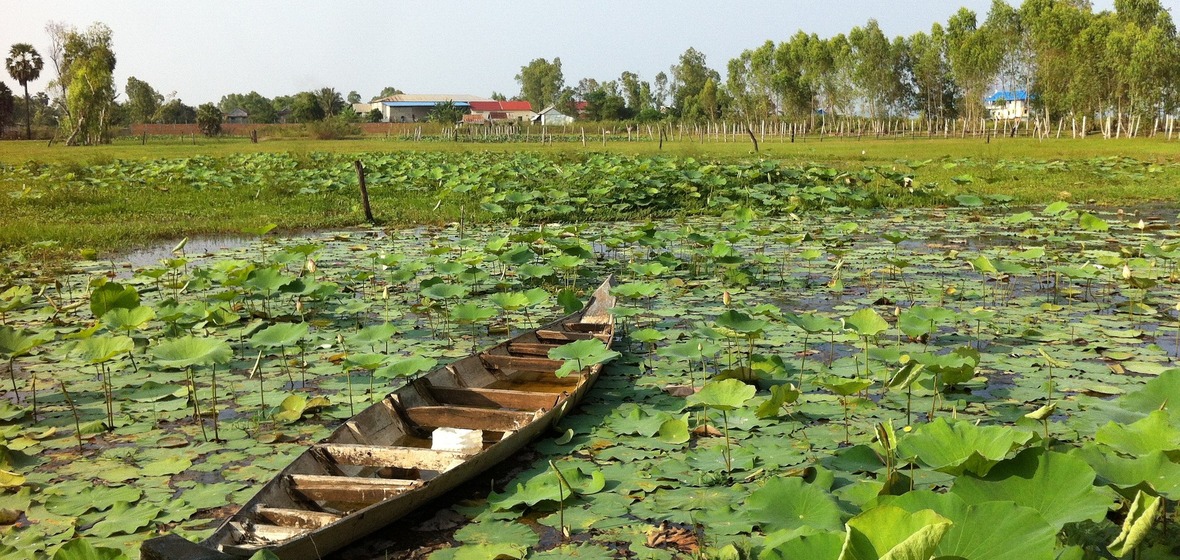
[201, 50]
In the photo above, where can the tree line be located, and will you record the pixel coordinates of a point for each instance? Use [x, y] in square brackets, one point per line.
[1071, 61]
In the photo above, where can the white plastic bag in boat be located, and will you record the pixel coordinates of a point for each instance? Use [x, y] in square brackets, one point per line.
[457, 439]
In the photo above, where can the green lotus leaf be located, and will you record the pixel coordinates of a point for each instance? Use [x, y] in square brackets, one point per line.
[471, 313]
[442, 291]
[123, 319]
[125, 518]
[81, 549]
[267, 281]
[279, 334]
[581, 354]
[171, 465]
[960, 446]
[674, 431]
[151, 391]
[295, 406]
[112, 295]
[789, 502]
[1137, 524]
[103, 348]
[984, 531]
[867, 322]
[633, 420]
[646, 335]
[406, 367]
[1060, 487]
[568, 300]
[741, 323]
[846, 387]
[1151, 434]
[98, 498]
[1090, 222]
[780, 395]
[1155, 470]
[694, 349]
[812, 323]
[817, 546]
[368, 362]
[728, 394]
[892, 533]
[509, 301]
[15, 343]
[189, 351]
[547, 487]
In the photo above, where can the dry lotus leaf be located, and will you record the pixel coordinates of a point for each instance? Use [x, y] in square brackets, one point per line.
[679, 538]
[680, 390]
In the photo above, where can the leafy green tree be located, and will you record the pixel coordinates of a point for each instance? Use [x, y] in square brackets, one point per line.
[24, 64]
[933, 87]
[375, 115]
[541, 82]
[209, 119]
[660, 92]
[143, 101]
[387, 91]
[497, 96]
[258, 107]
[353, 97]
[175, 112]
[86, 65]
[7, 106]
[975, 54]
[446, 113]
[330, 101]
[689, 77]
[305, 107]
[605, 104]
[876, 69]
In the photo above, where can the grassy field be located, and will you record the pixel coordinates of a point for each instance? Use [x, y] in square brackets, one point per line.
[50, 224]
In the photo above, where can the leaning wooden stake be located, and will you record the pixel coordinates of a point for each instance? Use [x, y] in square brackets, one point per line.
[752, 138]
[360, 175]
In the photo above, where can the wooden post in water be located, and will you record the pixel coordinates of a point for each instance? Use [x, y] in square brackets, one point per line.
[360, 175]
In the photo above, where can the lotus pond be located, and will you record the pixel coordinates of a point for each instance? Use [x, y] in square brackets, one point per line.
[976, 382]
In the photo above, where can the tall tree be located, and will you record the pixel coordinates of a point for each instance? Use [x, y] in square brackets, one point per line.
[933, 87]
[209, 119]
[7, 106]
[86, 63]
[258, 107]
[353, 97]
[330, 101]
[305, 107]
[541, 82]
[175, 112]
[387, 91]
[660, 93]
[24, 64]
[689, 77]
[143, 101]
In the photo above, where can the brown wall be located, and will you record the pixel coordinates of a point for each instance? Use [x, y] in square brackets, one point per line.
[234, 129]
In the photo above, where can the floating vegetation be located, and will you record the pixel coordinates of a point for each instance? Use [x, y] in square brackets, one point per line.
[975, 381]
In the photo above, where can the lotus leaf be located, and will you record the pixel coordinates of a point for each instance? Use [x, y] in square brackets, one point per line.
[1151, 434]
[959, 446]
[547, 487]
[103, 348]
[125, 518]
[984, 531]
[1060, 487]
[1137, 524]
[189, 351]
[406, 367]
[279, 334]
[790, 503]
[79, 501]
[817, 546]
[81, 549]
[581, 354]
[728, 394]
[867, 322]
[112, 295]
[890, 532]
[1155, 470]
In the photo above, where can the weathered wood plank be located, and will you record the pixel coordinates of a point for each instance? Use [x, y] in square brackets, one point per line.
[546, 334]
[531, 348]
[505, 362]
[469, 418]
[390, 456]
[349, 489]
[263, 533]
[495, 398]
[287, 517]
[586, 327]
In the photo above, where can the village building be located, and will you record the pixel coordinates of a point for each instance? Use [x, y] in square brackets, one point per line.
[237, 116]
[501, 111]
[1008, 105]
[414, 107]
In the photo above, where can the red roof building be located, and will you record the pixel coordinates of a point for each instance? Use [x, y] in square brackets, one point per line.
[503, 110]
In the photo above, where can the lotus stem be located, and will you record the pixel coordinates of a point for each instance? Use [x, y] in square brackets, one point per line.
[74, 410]
[216, 435]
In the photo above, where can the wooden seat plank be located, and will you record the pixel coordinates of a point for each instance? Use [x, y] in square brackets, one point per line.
[530, 348]
[566, 336]
[392, 456]
[520, 363]
[287, 517]
[495, 398]
[349, 489]
[469, 418]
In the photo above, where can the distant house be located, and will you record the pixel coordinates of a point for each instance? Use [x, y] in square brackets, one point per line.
[407, 107]
[283, 116]
[500, 111]
[237, 116]
[550, 115]
[1008, 104]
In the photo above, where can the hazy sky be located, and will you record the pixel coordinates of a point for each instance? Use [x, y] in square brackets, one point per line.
[204, 49]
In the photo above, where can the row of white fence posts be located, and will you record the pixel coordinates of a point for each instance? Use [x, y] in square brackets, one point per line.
[782, 131]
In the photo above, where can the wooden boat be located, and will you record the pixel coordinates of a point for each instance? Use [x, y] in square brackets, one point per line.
[386, 461]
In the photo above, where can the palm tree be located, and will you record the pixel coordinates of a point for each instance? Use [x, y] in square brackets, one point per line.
[24, 65]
